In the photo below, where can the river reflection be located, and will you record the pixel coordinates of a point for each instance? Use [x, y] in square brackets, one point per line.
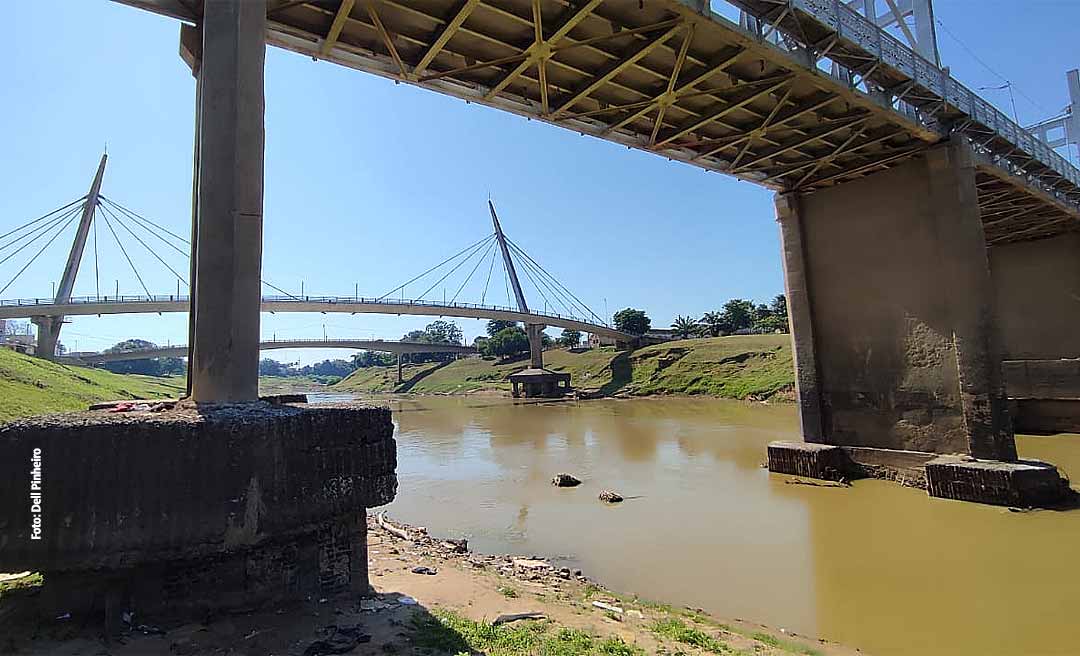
[877, 566]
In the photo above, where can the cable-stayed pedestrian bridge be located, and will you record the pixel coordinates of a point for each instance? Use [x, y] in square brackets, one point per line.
[91, 305]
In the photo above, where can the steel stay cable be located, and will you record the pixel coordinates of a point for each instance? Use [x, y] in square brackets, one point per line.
[135, 217]
[43, 217]
[43, 228]
[52, 224]
[529, 275]
[97, 272]
[456, 267]
[36, 255]
[491, 247]
[563, 302]
[138, 220]
[488, 281]
[567, 304]
[123, 250]
[144, 244]
[449, 259]
[556, 280]
[133, 213]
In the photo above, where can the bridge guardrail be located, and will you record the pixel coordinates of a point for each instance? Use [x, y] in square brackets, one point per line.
[330, 300]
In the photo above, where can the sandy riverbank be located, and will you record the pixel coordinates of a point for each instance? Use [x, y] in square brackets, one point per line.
[434, 596]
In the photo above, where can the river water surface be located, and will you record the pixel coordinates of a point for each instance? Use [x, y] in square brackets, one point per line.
[876, 566]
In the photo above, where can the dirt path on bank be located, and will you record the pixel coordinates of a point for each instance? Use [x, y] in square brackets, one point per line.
[432, 597]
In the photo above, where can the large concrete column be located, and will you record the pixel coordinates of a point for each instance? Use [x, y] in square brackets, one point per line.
[1037, 286]
[228, 250]
[47, 337]
[536, 345]
[891, 307]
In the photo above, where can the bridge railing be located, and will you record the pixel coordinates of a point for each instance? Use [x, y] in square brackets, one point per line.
[329, 300]
[982, 123]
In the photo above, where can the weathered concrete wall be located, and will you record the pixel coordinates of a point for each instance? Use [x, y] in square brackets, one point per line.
[120, 490]
[1037, 288]
[892, 311]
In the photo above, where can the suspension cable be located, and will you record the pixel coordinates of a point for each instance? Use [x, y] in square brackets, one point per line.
[36, 255]
[52, 224]
[144, 244]
[43, 217]
[452, 257]
[123, 250]
[491, 247]
[455, 268]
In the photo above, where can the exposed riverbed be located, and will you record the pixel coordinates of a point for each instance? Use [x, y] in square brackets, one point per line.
[876, 566]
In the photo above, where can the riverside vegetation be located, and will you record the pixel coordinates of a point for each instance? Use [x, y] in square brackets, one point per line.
[735, 367]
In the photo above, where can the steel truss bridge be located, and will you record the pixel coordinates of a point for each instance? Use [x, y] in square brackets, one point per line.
[801, 94]
[379, 345]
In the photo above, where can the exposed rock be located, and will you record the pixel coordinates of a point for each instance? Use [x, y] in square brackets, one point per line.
[607, 496]
[565, 480]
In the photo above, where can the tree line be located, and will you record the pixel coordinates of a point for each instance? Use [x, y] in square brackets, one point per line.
[737, 316]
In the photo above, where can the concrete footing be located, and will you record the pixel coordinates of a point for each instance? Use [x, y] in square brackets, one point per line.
[194, 508]
[1023, 483]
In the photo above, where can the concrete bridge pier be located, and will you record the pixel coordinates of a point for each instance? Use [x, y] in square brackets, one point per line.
[1037, 294]
[898, 367]
[536, 345]
[281, 491]
[229, 203]
[47, 336]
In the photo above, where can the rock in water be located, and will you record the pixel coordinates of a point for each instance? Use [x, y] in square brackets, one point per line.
[607, 496]
[565, 480]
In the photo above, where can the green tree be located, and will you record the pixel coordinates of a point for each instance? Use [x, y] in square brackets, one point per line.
[714, 324]
[508, 342]
[684, 327]
[147, 367]
[569, 338]
[630, 320]
[495, 325]
[738, 314]
[779, 306]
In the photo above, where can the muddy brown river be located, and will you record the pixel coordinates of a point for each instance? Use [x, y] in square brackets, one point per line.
[875, 566]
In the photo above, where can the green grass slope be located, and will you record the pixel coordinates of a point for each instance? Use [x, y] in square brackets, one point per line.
[30, 386]
[739, 367]
[736, 367]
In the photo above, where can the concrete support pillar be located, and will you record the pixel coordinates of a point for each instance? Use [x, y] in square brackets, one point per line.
[47, 337]
[1037, 295]
[400, 380]
[536, 345]
[228, 250]
[891, 309]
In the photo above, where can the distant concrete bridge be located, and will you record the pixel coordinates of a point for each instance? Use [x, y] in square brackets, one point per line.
[382, 346]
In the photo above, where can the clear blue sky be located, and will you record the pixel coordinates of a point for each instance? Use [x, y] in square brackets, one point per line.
[369, 183]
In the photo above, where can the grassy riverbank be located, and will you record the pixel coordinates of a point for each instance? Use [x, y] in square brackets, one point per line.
[737, 367]
[30, 386]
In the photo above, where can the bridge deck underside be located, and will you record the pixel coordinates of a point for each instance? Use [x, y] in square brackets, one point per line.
[657, 76]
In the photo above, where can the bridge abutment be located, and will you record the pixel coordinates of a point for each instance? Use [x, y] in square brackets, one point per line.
[1037, 295]
[892, 314]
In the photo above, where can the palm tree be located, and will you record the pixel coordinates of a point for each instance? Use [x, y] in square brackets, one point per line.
[684, 327]
[714, 323]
